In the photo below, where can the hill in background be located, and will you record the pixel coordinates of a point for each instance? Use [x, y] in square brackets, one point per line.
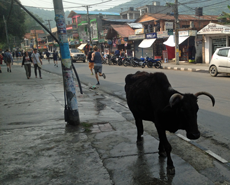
[210, 7]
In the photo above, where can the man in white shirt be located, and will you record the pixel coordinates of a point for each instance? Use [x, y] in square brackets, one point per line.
[35, 56]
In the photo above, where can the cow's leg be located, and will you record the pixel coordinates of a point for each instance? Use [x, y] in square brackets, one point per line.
[139, 125]
[168, 149]
[161, 149]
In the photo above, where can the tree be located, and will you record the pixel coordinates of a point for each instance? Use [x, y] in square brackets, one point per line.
[225, 17]
[15, 23]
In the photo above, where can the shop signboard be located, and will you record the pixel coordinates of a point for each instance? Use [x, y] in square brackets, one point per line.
[151, 35]
[139, 31]
[94, 32]
[213, 28]
[137, 37]
[187, 33]
[168, 25]
[101, 40]
[162, 34]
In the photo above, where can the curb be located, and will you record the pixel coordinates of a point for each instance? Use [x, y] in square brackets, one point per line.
[186, 69]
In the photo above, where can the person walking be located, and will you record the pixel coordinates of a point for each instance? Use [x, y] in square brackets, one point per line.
[48, 56]
[91, 63]
[55, 56]
[97, 58]
[37, 62]
[26, 61]
[16, 53]
[8, 60]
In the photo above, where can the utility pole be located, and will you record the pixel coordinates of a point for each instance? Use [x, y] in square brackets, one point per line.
[49, 24]
[89, 30]
[7, 39]
[176, 37]
[71, 111]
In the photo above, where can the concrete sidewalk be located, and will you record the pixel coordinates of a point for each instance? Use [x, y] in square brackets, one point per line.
[185, 66]
[37, 148]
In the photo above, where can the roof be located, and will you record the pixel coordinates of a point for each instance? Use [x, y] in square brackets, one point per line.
[37, 31]
[78, 12]
[150, 17]
[120, 20]
[27, 36]
[135, 25]
[123, 30]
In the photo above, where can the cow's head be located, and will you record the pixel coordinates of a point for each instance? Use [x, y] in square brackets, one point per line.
[187, 108]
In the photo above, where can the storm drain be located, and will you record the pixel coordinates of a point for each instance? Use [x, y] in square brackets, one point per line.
[101, 127]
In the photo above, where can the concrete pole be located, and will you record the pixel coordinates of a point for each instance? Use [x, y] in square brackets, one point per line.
[7, 39]
[71, 114]
[89, 30]
[176, 38]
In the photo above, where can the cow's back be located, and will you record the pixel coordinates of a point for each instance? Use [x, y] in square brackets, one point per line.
[146, 93]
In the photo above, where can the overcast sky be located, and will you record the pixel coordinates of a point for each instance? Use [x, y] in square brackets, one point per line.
[76, 4]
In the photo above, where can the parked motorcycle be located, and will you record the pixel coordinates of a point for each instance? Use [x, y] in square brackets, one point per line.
[113, 60]
[139, 62]
[128, 61]
[151, 62]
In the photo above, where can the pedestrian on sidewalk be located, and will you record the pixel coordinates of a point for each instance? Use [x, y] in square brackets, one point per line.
[37, 62]
[91, 63]
[16, 53]
[97, 58]
[55, 56]
[26, 61]
[8, 59]
[48, 56]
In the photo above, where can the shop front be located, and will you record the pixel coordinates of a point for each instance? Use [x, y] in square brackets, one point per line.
[214, 36]
[147, 44]
[135, 41]
[187, 46]
[159, 47]
[117, 37]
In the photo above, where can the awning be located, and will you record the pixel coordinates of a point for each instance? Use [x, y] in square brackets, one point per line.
[170, 42]
[146, 43]
[81, 46]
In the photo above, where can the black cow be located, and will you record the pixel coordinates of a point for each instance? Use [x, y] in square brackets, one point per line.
[151, 97]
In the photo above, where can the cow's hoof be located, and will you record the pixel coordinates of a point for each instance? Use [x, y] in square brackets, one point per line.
[162, 154]
[170, 170]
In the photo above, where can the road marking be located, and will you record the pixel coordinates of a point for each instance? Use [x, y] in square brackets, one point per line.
[184, 138]
[216, 156]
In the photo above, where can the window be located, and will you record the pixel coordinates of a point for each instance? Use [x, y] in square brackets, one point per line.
[223, 52]
[185, 26]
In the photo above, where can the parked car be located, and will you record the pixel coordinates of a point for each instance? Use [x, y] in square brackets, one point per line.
[77, 55]
[220, 62]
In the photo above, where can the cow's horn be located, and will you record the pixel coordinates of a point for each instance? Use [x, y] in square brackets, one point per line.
[207, 94]
[173, 98]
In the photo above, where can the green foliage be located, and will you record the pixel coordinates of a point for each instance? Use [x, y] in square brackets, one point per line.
[225, 17]
[15, 23]
[31, 24]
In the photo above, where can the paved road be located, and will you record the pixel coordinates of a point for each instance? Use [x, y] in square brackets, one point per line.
[214, 122]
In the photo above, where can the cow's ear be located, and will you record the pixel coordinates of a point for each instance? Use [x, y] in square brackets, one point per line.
[174, 99]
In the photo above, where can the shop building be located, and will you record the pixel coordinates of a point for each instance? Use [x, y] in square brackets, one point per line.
[117, 37]
[214, 36]
[187, 46]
